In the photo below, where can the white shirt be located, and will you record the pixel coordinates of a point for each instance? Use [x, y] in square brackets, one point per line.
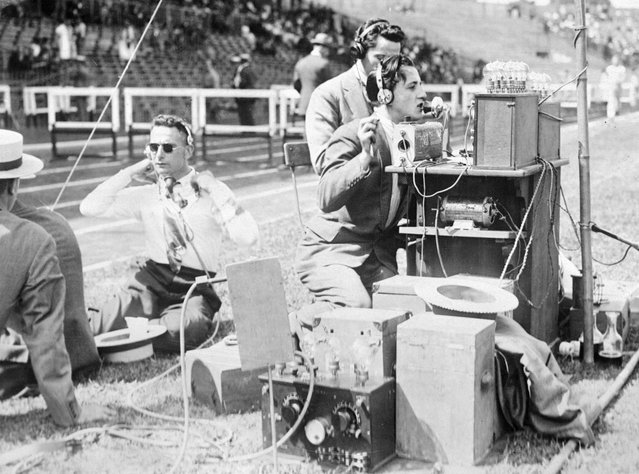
[63, 34]
[207, 216]
[389, 130]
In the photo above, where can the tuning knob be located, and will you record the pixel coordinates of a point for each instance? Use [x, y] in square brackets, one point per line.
[317, 429]
[291, 408]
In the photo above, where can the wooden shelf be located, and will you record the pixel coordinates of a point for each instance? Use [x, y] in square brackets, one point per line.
[469, 233]
[454, 168]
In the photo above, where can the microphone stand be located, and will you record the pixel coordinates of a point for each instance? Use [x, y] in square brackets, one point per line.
[595, 228]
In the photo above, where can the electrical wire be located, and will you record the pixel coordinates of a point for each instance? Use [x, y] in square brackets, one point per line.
[439, 254]
[530, 206]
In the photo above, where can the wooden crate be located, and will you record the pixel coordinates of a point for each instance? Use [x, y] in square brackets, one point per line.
[216, 379]
[446, 403]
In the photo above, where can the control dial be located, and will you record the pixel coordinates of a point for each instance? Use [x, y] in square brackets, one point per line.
[317, 429]
[291, 408]
[346, 418]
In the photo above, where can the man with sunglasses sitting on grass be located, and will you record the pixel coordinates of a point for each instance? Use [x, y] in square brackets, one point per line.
[184, 215]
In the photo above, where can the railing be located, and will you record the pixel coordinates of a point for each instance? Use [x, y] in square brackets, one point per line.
[268, 130]
[59, 107]
[5, 93]
[58, 101]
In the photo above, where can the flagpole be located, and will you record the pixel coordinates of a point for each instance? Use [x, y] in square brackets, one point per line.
[584, 182]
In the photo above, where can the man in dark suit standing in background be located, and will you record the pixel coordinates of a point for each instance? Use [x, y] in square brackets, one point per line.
[244, 78]
[312, 70]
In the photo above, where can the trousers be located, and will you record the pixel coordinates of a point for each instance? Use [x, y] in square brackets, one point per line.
[156, 292]
[339, 285]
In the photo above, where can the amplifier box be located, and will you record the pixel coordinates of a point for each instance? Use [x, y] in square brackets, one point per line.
[348, 423]
[446, 402]
[549, 143]
[216, 379]
[360, 337]
[506, 130]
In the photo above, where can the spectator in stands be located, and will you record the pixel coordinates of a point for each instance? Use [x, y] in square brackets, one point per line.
[36, 49]
[342, 99]
[126, 43]
[616, 75]
[32, 299]
[64, 40]
[352, 242]
[183, 214]
[79, 35]
[248, 35]
[244, 78]
[312, 70]
[66, 48]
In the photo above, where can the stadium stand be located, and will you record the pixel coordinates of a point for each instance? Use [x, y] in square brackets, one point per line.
[449, 41]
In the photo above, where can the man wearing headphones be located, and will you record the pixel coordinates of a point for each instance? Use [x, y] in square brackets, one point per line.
[184, 214]
[353, 241]
[343, 98]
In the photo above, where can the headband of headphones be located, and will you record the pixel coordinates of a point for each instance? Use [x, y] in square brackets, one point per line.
[169, 120]
[370, 28]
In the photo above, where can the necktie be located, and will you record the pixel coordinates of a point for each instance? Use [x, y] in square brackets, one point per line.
[176, 233]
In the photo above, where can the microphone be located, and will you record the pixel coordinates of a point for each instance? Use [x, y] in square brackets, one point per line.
[173, 191]
[435, 107]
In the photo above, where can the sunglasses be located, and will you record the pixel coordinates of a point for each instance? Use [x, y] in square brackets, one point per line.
[166, 147]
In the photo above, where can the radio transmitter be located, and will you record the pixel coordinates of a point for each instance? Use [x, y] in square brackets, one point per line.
[413, 142]
[350, 421]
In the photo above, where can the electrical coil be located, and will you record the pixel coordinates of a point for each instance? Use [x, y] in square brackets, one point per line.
[481, 211]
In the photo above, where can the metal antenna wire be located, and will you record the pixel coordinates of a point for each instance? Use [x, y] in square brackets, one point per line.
[116, 87]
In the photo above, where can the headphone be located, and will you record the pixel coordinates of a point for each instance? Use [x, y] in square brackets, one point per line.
[181, 124]
[358, 49]
[384, 96]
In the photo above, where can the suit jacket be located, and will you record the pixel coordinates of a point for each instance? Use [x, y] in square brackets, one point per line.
[32, 303]
[334, 103]
[312, 70]
[354, 207]
[77, 334]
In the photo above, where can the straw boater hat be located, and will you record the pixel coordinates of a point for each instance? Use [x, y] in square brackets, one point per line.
[13, 162]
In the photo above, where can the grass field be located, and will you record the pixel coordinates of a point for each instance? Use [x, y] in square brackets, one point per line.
[614, 170]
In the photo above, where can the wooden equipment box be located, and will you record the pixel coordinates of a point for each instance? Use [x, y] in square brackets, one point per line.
[549, 142]
[506, 130]
[215, 378]
[446, 403]
[398, 292]
[366, 337]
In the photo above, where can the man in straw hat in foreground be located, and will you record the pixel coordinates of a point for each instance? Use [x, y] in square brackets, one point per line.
[32, 292]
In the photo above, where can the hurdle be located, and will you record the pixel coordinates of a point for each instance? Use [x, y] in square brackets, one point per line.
[267, 131]
[59, 100]
[288, 99]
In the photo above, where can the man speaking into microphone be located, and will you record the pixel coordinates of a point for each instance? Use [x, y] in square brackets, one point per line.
[352, 242]
[183, 215]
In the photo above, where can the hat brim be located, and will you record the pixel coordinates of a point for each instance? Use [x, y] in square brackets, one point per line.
[30, 166]
[467, 296]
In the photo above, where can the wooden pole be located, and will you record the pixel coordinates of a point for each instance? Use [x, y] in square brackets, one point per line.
[584, 182]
